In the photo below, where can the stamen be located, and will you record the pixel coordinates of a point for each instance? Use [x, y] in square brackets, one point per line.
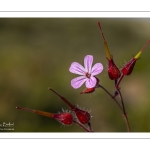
[88, 75]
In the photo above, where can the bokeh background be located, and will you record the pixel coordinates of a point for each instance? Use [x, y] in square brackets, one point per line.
[36, 53]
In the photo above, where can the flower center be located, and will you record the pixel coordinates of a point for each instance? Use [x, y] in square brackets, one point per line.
[88, 75]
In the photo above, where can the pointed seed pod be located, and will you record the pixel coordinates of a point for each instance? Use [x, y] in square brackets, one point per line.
[65, 118]
[113, 71]
[128, 67]
[82, 115]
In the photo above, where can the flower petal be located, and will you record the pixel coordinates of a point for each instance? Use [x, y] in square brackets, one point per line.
[76, 68]
[88, 60]
[91, 82]
[78, 82]
[97, 69]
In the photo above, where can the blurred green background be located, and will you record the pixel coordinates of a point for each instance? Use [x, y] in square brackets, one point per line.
[36, 53]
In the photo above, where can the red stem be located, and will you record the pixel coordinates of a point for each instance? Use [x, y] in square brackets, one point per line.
[122, 108]
[81, 125]
[101, 31]
[66, 101]
[43, 113]
[111, 96]
[124, 111]
[120, 79]
[145, 46]
[89, 124]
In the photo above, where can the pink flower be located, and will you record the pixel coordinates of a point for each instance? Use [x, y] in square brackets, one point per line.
[87, 74]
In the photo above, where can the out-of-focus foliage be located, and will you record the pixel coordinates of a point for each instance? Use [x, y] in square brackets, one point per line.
[37, 53]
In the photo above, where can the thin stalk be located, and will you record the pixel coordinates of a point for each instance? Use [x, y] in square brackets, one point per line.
[117, 85]
[89, 124]
[124, 111]
[122, 108]
[66, 101]
[43, 113]
[81, 125]
[120, 79]
[111, 96]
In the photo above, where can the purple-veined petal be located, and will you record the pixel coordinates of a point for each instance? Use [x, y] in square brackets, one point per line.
[97, 69]
[78, 82]
[76, 68]
[91, 82]
[88, 60]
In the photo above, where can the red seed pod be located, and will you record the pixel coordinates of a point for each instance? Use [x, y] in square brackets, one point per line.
[83, 116]
[65, 118]
[128, 67]
[113, 71]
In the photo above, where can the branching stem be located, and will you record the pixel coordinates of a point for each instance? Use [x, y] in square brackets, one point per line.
[111, 96]
[122, 103]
